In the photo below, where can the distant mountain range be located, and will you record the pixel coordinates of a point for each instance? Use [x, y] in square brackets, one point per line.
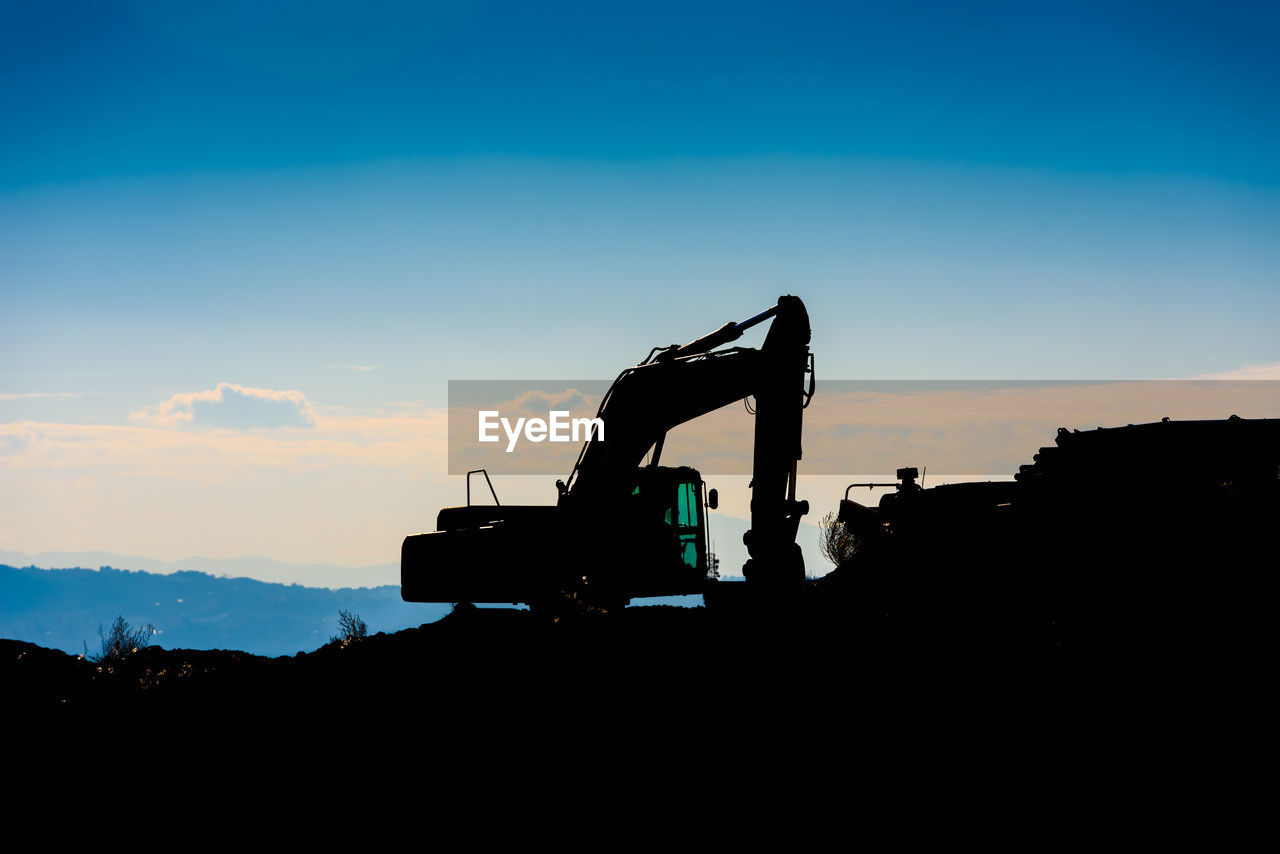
[261, 568]
[62, 609]
[725, 533]
[209, 603]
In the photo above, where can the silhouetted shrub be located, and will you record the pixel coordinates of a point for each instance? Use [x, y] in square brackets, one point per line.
[350, 628]
[837, 542]
[121, 641]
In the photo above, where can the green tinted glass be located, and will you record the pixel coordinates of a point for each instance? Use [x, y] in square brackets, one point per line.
[688, 505]
[689, 549]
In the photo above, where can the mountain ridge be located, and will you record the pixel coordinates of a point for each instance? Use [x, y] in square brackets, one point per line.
[63, 608]
[332, 576]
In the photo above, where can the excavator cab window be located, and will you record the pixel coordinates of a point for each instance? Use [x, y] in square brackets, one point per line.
[672, 500]
[683, 516]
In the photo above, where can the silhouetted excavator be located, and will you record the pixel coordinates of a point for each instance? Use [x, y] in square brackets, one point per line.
[620, 529]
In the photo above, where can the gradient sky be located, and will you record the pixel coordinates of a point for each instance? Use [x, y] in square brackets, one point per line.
[243, 247]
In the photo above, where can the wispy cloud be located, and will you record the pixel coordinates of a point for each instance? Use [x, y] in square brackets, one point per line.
[1248, 372]
[541, 402]
[411, 442]
[55, 395]
[353, 367]
[346, 490]
[230, 406]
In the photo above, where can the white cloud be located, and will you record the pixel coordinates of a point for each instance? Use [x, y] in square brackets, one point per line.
[230, 406]
[541, 402]
[353, 367]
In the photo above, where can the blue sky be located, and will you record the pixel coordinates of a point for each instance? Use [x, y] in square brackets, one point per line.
[160, 88]
[353, 203]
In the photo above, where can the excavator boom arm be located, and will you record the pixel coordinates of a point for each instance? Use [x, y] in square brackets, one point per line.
[684, 383]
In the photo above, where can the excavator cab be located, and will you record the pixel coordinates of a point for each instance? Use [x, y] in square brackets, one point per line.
[667, 551]
[654, 544]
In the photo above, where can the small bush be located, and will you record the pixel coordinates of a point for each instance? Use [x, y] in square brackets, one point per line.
[837, 542]
[350, 628]
[122, 641]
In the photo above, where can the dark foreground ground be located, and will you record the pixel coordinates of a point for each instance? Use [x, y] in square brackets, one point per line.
[778, 716]
[475, 661]
[810, 661]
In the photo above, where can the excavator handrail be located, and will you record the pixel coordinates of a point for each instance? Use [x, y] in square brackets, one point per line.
[867, 485]
[486, 480]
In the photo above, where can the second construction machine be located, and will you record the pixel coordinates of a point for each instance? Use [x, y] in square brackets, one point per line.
[619, 529]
